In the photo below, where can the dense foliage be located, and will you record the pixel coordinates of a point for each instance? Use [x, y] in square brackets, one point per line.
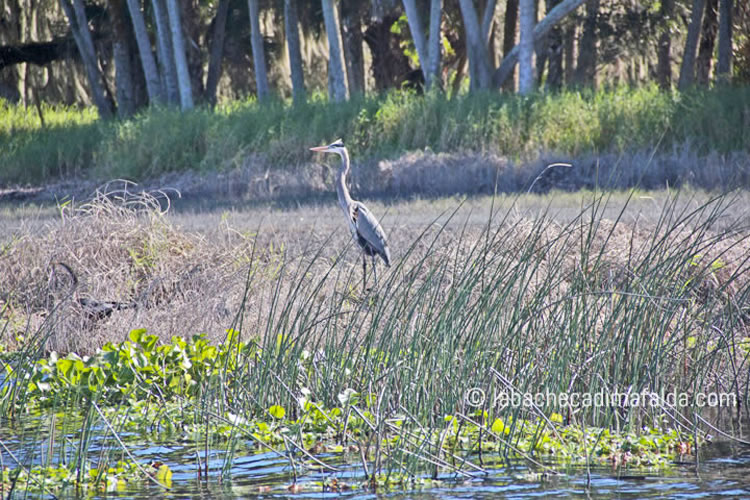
[278, 134]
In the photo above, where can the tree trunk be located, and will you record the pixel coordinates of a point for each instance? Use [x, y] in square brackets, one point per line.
[259, 57]
[587, 56]
[542, 28]
[724, 66]
[428, 50]
[79, 27]
[124, 87]
[192, 30]
[509, 35]
[460, 70]
[526, 48]
[139, 80]
[477, 49]
[336, 78]
[217, 51]
[150, 73]
[166, 53]
[554, 53]
[472, 70]
[487, 18]
[291, 25]
[415, 27]
[707, 42]
[542, 51]
[434, 45]
[180, 58]
[687, 69]
[351, 34]
[664, 50]
[569, 53]
[121, 51]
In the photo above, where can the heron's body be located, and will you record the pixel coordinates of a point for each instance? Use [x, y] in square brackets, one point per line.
[370, 236]
[364, 227]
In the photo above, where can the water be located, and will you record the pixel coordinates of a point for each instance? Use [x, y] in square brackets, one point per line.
[268, 477]
[723, 471]
[265, 476]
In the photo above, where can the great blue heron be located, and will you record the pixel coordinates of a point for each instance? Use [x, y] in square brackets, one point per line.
[364, 226]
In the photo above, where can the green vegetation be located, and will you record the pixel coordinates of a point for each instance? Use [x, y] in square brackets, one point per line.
[389, 375]
[62, 479]
[146, 391]
[165, 140]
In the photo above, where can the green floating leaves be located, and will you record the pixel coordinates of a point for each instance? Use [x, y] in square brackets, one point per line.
[277, 411]
[136, 369]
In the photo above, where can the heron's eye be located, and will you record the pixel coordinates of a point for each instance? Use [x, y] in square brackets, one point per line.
[338, 144]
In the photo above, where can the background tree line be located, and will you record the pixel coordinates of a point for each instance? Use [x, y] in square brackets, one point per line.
[122, 55]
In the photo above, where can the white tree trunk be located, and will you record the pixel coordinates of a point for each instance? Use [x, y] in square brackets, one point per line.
[180, 59]
[259, 57]
[336, 76]
[526, 48]
[489, 15]
[435, 44]
[291, 25]
[415, 27]
[542, 28]
[166, 54]
[150, 73]
[428, 50]
[479, 57]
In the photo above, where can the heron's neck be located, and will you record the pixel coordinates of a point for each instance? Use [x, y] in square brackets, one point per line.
[344, 199]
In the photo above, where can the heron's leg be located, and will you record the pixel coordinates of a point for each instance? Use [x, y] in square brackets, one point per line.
[364, 271]
[375, 271]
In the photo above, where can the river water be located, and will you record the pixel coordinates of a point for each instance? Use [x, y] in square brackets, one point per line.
[723, 470]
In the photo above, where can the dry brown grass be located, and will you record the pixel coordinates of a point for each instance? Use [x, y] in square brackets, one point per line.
[121, 248]
[186, 273]
[255, 178]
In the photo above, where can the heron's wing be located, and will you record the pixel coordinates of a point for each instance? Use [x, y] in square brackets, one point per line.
[368, 228]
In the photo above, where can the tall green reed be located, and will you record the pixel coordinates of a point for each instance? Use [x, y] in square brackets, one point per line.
[530, 306]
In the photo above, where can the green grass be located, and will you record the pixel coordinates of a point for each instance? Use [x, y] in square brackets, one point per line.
[570, 123]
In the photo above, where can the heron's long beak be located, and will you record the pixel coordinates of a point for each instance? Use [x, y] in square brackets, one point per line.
[319, 148]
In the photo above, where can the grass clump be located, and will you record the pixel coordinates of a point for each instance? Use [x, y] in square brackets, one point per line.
[278, 134]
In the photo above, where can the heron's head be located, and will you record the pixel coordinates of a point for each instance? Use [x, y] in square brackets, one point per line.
[336, 146]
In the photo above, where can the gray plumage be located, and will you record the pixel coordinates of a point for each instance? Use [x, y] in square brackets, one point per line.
[365, 228]
[370, 234]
